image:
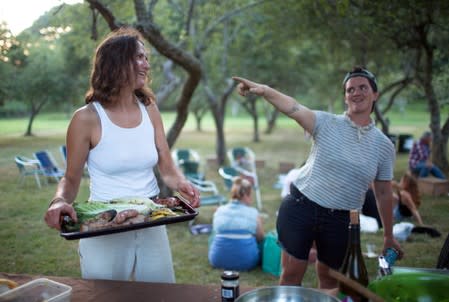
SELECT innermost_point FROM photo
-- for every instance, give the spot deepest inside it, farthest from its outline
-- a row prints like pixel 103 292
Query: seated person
pixel 406 201
pixel 237 231
pixel 420 162
pixel 370 207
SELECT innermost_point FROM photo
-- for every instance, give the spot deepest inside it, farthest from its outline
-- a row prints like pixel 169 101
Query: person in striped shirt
pixel 348 153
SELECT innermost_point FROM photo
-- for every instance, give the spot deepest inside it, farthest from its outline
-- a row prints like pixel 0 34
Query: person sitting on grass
pixel 237 231
pixel 406 201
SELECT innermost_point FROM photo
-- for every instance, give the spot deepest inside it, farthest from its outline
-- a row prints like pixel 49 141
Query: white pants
pixel 140 255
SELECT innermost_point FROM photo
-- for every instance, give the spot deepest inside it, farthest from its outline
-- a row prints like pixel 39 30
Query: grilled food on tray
pixel 121 212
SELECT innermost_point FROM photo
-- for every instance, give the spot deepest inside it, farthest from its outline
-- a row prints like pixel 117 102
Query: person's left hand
pixel 190 192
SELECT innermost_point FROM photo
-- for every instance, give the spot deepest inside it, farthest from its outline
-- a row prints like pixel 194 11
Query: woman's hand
pixel 53 216
pixel 391 242
pixel 246 86
pixel 190 192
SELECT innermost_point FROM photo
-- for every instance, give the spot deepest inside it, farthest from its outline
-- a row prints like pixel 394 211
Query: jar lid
pixel 230 275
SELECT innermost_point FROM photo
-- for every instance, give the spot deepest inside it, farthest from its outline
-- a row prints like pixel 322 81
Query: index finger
pixel 241 80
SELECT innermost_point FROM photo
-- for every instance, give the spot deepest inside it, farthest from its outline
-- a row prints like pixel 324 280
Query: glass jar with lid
pixel 229 286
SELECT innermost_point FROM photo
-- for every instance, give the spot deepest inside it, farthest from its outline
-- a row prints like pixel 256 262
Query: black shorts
pixel 301 221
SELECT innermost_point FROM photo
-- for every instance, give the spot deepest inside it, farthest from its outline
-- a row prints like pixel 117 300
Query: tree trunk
pixel 256 136
pixel 439 145
pixel 198 119
pixel 36 107
pixel 380 119
pixel 33 114
pixel 220 139
pixel 251 108
pixel 271 121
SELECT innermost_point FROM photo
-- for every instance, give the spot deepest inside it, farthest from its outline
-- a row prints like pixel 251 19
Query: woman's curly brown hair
pixel 112 68
pixel 411 186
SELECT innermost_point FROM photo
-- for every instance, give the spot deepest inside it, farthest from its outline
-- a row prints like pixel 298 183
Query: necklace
pixel 361 130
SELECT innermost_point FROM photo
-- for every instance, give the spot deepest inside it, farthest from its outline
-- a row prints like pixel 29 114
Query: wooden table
pixel 127 291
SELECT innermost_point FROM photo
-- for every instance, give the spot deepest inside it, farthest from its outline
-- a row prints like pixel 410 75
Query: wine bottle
pixel 353 264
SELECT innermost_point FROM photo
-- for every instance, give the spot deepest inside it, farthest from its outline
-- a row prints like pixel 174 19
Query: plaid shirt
pixel 420 153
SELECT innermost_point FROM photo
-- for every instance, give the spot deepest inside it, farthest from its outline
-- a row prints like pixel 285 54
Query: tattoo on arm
pixel 296 107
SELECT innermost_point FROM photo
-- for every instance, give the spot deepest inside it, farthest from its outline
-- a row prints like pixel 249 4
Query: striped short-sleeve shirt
pixel 344 159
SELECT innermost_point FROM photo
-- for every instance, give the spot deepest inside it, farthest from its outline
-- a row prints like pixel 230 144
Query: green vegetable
pixel 139 201
pixel 412 286
pixel 88 210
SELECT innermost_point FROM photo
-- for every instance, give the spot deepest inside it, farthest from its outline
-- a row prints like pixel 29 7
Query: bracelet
pixel 55 200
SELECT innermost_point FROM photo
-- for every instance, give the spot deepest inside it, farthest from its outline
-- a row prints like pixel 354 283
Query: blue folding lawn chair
pixel 48 165
pixel 63 151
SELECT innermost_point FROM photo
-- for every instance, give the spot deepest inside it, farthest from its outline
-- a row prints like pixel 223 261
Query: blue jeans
pixel 423 171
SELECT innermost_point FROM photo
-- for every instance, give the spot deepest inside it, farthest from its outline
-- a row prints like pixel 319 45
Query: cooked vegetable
pixel 138 201
pixel 88 210
pixel 161 213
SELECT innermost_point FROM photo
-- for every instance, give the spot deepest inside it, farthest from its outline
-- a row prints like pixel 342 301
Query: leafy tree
pixel 217 26
pixel 8 44
pixel 42 80
pixel 77 47
pixel 404 42
pixel 419 31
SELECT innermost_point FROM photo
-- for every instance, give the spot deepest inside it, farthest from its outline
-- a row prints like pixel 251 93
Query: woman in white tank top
pixel 120 134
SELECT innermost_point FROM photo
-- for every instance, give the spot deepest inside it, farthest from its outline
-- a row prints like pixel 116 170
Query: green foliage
pixel 300 47
pixel 43 78
pixel 13 108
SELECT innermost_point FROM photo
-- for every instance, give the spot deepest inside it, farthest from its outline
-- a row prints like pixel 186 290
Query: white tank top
pixel 121 164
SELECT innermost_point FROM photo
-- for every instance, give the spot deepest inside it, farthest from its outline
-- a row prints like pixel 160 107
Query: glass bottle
pixel 229 286
pixel 353 264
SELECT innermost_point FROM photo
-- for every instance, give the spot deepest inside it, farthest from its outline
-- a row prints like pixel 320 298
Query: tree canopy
pixel 302 48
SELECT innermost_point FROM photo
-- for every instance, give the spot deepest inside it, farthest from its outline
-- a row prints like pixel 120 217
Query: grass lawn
pixel 29 246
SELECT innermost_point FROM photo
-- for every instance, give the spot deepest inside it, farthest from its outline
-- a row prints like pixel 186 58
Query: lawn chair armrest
pixel 204 185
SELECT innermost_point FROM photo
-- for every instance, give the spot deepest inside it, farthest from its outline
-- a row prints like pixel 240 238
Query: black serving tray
pixel 191 214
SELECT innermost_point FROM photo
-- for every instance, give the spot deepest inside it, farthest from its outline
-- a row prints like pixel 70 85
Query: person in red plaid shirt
pixel 420 162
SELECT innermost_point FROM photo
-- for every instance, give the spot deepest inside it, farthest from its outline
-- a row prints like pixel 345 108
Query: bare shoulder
pixel 406 194
pixel 85 114
pixel 152 108
pixel 154 113
pixel 84 122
